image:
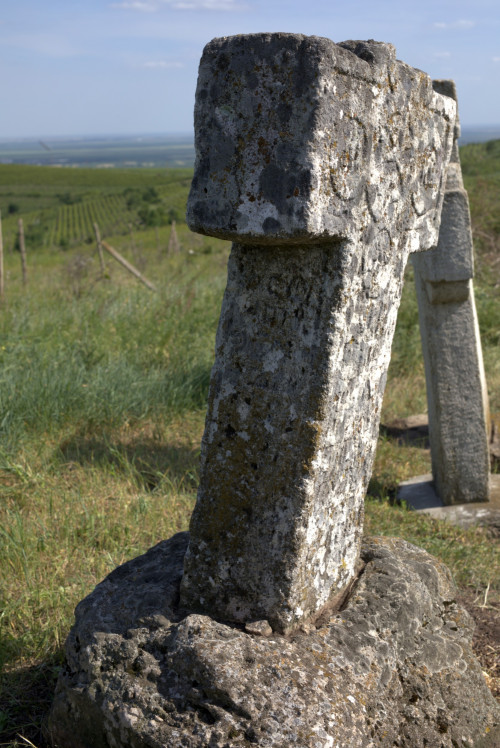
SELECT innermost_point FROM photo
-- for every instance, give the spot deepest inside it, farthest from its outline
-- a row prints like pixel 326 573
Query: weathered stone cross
pixel 457 395
pixel 325 164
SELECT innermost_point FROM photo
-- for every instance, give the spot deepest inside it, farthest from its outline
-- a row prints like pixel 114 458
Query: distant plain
pixel 102 151
pixel 134 151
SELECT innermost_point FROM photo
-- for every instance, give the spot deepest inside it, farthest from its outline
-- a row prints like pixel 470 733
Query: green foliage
pixel 102 400
pixel 153 215
pixel 473 560
pixel 35 233
pixel 150 195
pixel 133 198
pixel 481 167
pixel 406 354
pixel 480 159
pixel 149 206
pixel 68 199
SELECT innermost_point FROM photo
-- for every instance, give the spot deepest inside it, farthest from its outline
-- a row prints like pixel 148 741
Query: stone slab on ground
pixel 394 667
pixel 419 494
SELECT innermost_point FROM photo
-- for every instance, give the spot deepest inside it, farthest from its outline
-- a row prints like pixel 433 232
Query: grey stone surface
pixel 456 388
pixel 393 668
pixel 301 139
pixel 420 494
pixel 325 163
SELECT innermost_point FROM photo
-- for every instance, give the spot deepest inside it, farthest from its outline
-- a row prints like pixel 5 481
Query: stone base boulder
pixel 393 667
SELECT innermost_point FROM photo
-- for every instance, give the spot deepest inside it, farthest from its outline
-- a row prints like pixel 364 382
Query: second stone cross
pixel 325 164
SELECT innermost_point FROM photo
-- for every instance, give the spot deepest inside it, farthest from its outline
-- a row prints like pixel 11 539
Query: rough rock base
pixel 394 667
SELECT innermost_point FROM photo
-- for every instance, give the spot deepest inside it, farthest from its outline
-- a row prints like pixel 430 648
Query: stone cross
pixel 325 164
pixel 456 387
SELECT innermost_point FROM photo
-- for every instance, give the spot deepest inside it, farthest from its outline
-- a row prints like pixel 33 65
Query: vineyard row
pixel 75 223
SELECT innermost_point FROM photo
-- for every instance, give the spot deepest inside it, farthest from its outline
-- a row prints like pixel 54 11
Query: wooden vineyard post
pixel 158 246
pixel 2 290
pixel 22 248
pixel 132 239
pixel 99 248
pixel 136 250
pixel 128 266
pixel 173 242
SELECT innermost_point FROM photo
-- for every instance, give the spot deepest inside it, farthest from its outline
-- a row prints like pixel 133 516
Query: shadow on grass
pixel 26 695
pixel 405 434
pixel 382 490
pixel 145 459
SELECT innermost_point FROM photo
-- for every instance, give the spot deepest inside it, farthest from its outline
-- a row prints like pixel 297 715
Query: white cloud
pixel 136 5
pixel 226 5
pixel 151 6
pixel 496 59
pixel 442 55
pixel 460 24
pixel 162 65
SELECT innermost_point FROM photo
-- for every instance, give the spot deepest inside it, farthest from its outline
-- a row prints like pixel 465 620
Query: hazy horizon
pixel 187 135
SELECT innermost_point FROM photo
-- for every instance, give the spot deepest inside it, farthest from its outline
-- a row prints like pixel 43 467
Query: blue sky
pixel 70 67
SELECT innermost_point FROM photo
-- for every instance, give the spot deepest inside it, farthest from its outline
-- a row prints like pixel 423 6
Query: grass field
pixel 103 387
pixel 60 206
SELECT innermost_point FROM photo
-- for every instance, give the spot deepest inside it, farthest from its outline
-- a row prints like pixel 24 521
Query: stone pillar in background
pixel 456 387
pixel 325 164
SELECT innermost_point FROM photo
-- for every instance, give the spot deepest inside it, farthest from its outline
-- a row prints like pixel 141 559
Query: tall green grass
pixel 103 386
pixel 116 354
